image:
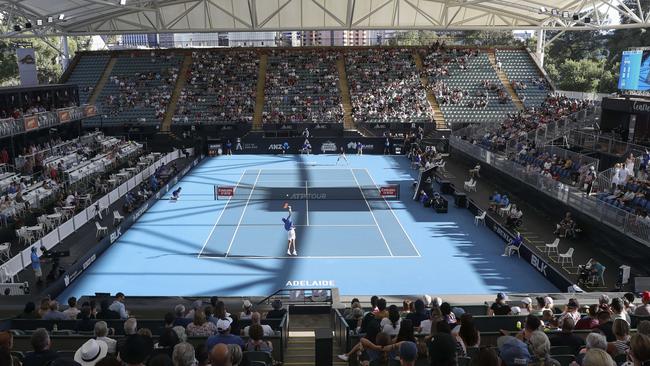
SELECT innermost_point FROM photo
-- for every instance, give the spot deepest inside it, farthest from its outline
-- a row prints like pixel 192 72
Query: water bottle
pixel 518 325
pixel 55 327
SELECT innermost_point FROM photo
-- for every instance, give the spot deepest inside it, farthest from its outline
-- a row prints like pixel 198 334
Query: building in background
pixel 139 40
pixel 253 39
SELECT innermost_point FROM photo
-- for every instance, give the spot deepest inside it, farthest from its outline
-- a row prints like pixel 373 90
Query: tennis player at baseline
pixel 291 234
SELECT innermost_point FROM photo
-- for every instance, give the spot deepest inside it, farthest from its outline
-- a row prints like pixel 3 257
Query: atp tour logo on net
pixel 306 196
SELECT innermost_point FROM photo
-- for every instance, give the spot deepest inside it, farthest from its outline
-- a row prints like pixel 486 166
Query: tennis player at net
pixel 291 233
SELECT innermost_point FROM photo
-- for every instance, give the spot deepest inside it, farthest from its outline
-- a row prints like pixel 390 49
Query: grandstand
pixel 215 188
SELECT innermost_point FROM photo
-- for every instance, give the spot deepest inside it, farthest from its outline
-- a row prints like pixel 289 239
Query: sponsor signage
pixel 328 146
pixel 115 234
pixel 249 146
pixel 90 110
pixel 310 283
pixel 275 147
pixel 31 122
pixel 64 116
pixel 226 191
pixel 388 191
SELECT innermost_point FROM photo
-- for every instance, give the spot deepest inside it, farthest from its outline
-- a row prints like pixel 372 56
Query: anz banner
pixel 27 66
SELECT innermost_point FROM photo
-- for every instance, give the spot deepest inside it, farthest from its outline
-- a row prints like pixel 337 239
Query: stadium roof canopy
pixel 90 17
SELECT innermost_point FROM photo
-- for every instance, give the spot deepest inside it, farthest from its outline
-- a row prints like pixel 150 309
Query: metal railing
pixel 341 330
pixel 615 217
pixel 15 126
pixel 604 144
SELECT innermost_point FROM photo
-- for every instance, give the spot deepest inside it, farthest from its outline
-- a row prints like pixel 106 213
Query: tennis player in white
pixel 342 156
pixel 291 234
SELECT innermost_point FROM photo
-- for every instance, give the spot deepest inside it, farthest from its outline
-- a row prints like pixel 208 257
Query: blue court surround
pixel 198 246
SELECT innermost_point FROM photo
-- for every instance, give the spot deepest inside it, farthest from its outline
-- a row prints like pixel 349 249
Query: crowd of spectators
pixel 302 87
pixel 519 124
pixel 148 90
pixel 385 87
pixel 629 187
pixel 446 334
pixel 220 87
pixel 223 339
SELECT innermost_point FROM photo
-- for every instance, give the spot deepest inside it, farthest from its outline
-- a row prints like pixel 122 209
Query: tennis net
pixel 258 192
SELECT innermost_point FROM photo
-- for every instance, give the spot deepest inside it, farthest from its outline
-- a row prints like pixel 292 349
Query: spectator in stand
pixel 91 352
pixel 181 320
pixel 135 350
pixel 621 345
pixel 247 311
pixel 419 314
pixel 467 335
pixel 597 357
pixel 513 351
pixel 590 321
pixel 500 305
pixel 220 355
pixel 101 334
pixel 594 341
pixel 201 327
pixel 256 341
pixel 526 306
pixel 72 310
pixel 442 346
pixel 605 324
pixel 447 314
pixel 408 353
pixel 223 335
pixel 54 313
pixel 618 310
pixel 567 338
pixel 166 343
pixel 118 306
pixel 42 354
pixel 639 353
pixel 390 325
pixel 643 310
pixel 426 325
pixel 29 312
pixel 278 312
pixel 184 355
pixel 570 311
pixel 256 319
pixel 541 348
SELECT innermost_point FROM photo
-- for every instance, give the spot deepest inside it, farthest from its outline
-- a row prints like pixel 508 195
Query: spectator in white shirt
pixel 72 310
pixel 391 324
pixel 118 306
pixel 571 311
pixel 255 319
pixel 101 334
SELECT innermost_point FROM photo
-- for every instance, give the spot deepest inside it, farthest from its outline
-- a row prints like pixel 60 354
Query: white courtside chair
pixel 505 210
pixel 567 257
pixel 117 218
pixel 101 230
pixel 552 247
pixel 480 218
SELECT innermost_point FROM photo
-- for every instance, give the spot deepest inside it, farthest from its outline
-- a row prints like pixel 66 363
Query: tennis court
pixel 348 235
pixel 332 208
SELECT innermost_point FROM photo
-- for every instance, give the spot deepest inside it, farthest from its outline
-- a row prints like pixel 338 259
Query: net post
pixel 214 192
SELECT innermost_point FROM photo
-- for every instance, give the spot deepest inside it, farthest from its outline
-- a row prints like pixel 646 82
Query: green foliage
pixel 491 38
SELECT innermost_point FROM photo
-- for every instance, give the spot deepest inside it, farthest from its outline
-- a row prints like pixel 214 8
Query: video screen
pixel 635 71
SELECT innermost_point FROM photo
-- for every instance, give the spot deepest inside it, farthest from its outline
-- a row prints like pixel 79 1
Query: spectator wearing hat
pixel 500 305
pixel 590 321
pixel 42 354
pixel 247 310
pixel 256 319
pixel 570 311
pixel 513 352
pixel 566 338
pixel 643 310
pixel 278 312
pixel 91 352
pixel 223 335
pixel 118 306
pixel 526 306
pixel 201 327
pixel 136 350
pixel 101 334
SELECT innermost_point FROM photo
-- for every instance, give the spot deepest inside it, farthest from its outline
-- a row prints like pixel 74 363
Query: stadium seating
pixel 302 86
pixel 87 72
pixel 220 88
pixel 466 71
pixel 519 67
pixel 138 89
pixel 385 87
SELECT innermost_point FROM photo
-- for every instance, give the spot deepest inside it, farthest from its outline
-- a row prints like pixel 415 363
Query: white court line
pixel 317 225
pixel 311 257
pixel 372 213
pixel 243 213
pixel 393 212
pixel 307 202
pixel 219 218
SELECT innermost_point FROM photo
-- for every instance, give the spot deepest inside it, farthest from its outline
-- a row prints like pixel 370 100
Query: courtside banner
pixel 31 122
pixel 90 110
pixel 84 262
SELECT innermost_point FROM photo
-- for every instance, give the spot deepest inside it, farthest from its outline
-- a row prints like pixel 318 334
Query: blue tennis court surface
pixel 347 236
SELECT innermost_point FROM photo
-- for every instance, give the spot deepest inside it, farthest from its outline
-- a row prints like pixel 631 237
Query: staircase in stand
pixel 102 80
pixel 348 123
pixel 301 346
pixel 259 98
pixel 505 81
pixel 438 117
pixel 173 101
